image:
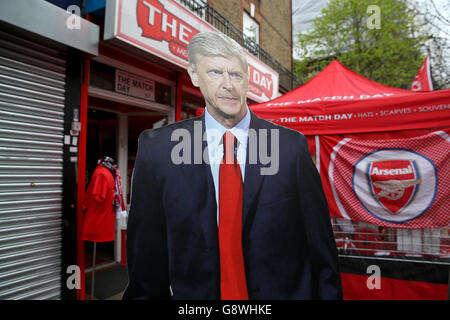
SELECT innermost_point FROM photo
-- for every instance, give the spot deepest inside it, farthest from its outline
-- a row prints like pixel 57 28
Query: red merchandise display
pixel 382 152
pixel 366 241
pixel 99 211
pixel 398 281
pixel 383 156
pixel 355 288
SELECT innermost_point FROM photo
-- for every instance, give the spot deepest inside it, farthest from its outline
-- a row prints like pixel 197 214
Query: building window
pixel 251 28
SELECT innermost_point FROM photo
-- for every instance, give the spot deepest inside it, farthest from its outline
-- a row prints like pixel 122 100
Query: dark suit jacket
pixel 172 237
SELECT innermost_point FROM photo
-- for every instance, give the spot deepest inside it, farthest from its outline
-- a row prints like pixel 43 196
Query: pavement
pixel 109 283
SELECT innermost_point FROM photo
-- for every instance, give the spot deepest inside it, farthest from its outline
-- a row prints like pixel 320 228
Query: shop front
pixel 137 82
pixel 126 95
pixel 39 108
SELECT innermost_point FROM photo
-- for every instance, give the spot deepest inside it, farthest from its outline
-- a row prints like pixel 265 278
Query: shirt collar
pixel 215 131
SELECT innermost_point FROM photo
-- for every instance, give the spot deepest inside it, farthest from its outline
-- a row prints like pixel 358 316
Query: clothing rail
pixel 364 239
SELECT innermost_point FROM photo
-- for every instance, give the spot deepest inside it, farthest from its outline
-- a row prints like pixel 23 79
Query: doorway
pixel 101 141
pixel 114 123
pixel 137 124
pixel 113 130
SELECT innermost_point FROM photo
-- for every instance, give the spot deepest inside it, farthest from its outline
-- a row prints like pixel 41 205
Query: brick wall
pixel 276 30
pixel 231 9
pixel 275 24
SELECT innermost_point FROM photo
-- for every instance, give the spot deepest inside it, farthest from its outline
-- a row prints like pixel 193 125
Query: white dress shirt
pixel 214 133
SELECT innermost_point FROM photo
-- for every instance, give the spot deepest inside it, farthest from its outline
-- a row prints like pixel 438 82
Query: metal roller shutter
pixel 32 96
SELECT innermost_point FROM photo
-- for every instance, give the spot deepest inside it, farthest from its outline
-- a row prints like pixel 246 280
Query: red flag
pixel 395 180
pixel 422 81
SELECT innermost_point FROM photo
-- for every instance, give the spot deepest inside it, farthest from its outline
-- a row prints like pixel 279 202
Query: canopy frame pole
pixel 316 138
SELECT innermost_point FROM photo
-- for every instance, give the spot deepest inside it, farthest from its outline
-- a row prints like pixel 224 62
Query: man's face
pixel 224 85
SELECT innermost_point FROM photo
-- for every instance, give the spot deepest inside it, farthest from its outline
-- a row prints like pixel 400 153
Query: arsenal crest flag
pixel 388 180
pixel 422 81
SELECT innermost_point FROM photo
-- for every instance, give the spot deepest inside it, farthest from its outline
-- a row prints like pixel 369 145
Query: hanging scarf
pixel 118 203
pixel 121 210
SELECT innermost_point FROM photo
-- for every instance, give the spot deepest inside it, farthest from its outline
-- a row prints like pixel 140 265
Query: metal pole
pixel 93 271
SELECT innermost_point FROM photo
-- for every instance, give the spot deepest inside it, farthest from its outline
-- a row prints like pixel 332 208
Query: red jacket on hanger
pixel 99 211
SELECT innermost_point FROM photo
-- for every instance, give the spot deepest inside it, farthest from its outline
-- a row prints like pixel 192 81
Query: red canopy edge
pixel 339 101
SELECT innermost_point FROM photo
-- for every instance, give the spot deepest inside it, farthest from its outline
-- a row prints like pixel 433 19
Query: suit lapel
pixel 209 224
pixel 199 176
pixel 253 178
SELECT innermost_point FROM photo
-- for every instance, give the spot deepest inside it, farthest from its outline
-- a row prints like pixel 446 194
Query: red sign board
pixel 164 28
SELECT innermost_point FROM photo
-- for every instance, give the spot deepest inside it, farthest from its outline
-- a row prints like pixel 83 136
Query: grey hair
pixel 215 44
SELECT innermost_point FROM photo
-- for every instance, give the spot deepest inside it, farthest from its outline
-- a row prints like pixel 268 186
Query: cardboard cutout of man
pixel 213 215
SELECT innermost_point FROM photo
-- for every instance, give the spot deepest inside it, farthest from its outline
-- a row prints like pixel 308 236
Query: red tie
pixel 232 273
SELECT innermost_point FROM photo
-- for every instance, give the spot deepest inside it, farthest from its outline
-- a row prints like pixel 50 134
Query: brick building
pixel 274 31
